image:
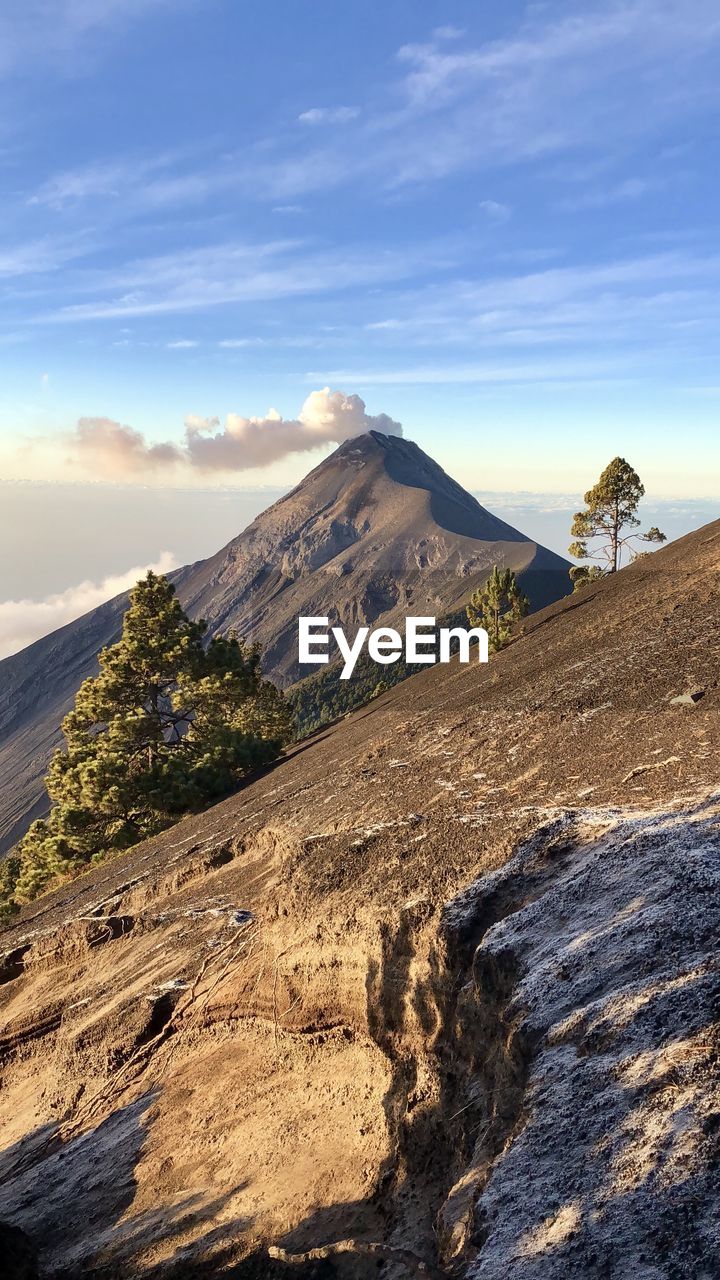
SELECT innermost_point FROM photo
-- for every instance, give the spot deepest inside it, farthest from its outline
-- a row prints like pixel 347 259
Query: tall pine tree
pixel 496 606
pixel 609 520
pixel 167 725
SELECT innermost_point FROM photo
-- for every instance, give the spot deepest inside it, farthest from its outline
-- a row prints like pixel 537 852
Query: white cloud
pixel 496 210
pixel 385 324
pixel 23 621
pixel 327 417
pixel 104 448
pixel 555 372
pixel 574 87
pixel 58 31
pixel 601 75
pixel 108 448
pixel 196 422
pixel 615 193
pixel 448 33
pixel 198 279
pixel 108 180
pixel 573 84
pixel 644 299
pixel 137 183
pixel 329 115
pixel 182 344
pixel 35 257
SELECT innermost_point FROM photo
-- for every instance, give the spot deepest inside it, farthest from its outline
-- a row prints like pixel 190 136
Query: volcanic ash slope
pixel 438 993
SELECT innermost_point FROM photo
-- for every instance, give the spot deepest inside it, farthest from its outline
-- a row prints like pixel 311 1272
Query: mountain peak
pixel 390 482
pixel 375 532
pixel 375 528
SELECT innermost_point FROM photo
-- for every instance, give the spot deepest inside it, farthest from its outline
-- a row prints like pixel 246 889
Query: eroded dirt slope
pixel 437 995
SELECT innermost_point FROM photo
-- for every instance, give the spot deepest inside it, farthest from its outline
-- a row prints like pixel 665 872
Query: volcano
pixel 376 531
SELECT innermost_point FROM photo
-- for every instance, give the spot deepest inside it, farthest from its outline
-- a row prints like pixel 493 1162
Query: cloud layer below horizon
pixel 24 621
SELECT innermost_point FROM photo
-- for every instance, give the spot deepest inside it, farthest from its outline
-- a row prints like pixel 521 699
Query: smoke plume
pixel 108 448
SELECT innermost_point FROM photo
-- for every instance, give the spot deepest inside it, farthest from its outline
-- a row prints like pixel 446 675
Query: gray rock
pixel 687 699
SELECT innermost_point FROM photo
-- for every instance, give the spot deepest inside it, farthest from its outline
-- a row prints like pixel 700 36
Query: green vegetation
pixel 609 518
pixel 171 724
pixel 496 606
pixel 323 697
pixel 168 725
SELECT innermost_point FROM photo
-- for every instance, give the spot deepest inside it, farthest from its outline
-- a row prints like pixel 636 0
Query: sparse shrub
pixel 583 574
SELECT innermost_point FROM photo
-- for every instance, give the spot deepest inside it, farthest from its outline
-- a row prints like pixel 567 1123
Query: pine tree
pixel 167 725
pixel 609 516
pixel 496 606
pixel 237 719
pixel 9 873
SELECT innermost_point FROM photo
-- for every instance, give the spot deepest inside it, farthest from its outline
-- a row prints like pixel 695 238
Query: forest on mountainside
pixel 323 697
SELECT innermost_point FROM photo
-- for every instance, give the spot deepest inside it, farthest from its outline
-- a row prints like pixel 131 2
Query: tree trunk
pixel 615 537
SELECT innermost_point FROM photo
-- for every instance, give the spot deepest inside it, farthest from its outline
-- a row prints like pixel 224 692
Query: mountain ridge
pixel 375 531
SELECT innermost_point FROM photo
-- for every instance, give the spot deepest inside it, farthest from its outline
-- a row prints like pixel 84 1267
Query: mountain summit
pixel 376 531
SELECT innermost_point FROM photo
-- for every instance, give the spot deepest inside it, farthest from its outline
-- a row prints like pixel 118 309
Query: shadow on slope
pixel 56 1191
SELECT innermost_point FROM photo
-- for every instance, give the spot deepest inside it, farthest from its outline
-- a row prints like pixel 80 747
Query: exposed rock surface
pixel 377 531
pixel 437 994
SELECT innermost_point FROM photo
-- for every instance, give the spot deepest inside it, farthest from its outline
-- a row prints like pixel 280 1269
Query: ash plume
pixel 327 417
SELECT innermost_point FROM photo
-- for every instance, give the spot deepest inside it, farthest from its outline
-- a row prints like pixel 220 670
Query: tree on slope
pixel 610 518
pixel 9 872
pixel 167 725
pixel 496 606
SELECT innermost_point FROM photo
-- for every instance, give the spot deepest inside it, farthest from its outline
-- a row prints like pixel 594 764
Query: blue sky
pixel 495 223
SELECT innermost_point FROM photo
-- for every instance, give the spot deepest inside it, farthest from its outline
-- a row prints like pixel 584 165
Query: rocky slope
pixel 435 996
pixel 377 531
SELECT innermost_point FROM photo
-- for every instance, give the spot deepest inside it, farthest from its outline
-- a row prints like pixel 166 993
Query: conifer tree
pixel 9 873
pixel 496 606
pixel 167 725
pixel 609 516
pixel 238 720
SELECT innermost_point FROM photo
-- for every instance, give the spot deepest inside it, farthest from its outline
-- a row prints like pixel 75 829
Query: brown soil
pixel 442 982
